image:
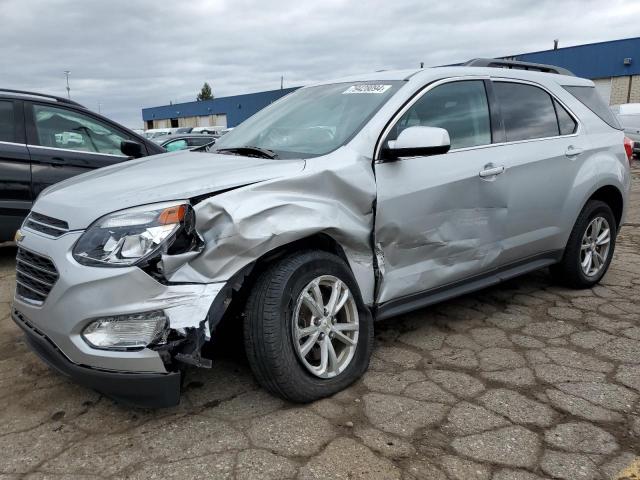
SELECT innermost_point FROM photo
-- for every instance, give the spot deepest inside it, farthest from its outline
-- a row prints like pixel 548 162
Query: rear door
pixel 64 142
pixel 15 171
pixel 542 155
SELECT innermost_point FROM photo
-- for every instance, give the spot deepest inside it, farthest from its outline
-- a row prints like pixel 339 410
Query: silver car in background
pixel 629 117
pixel 342 203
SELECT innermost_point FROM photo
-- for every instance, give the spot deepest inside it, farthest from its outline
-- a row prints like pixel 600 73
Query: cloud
pixel 126 55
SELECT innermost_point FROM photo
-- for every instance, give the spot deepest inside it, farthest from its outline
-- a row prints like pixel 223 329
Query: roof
pixel 434 73
pixel 593 60
pixel 237 107
pixel 21 94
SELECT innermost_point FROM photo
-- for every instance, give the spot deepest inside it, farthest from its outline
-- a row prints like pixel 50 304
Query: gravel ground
pixel 522 381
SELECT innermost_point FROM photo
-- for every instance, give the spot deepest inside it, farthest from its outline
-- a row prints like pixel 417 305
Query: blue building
pixel 224 111
pixel 614 67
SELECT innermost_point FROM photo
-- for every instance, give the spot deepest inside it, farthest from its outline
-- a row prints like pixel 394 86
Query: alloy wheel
pixel 325 326
pixel 594 248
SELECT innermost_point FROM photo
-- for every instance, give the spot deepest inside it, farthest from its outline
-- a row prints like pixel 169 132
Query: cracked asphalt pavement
pixel 522 381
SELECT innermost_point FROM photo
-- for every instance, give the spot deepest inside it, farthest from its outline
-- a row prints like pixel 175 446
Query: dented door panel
pixel 437 221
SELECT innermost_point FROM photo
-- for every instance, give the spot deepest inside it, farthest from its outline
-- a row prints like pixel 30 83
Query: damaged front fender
pixel 334 196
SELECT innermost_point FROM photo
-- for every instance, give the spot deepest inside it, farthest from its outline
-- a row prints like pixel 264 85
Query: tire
pixel 569 270
pixel 269 328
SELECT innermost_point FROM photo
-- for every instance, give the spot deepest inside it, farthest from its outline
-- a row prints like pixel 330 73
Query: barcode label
pixel 366 88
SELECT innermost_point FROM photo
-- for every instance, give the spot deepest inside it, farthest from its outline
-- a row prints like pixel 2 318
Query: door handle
pixel 572 151
pixel 491 170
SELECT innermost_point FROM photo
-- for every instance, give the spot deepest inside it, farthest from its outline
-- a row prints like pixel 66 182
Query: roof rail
pixel 514 64
pixel 34 94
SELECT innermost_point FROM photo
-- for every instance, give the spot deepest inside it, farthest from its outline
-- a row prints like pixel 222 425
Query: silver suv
pixel 342 203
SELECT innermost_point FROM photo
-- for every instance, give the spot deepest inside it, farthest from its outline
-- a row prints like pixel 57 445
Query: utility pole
pixel 66 74
pixel 281 82
pixel 99 107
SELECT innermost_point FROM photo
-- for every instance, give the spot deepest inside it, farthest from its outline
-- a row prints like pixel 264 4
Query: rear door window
pixel 527 111
pixel 7 122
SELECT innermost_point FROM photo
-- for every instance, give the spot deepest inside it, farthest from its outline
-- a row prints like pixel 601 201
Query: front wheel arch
pixel 244 281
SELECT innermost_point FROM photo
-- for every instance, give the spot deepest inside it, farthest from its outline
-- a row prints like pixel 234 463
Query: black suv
pixel 45 139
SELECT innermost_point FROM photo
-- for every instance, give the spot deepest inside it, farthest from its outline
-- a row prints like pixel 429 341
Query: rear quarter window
pixel 591 99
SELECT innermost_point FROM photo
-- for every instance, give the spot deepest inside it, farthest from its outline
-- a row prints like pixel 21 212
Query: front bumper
pixel 83 293
pixel 151 390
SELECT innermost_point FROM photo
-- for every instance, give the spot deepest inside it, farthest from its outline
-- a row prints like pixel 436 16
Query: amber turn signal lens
pixel 172 215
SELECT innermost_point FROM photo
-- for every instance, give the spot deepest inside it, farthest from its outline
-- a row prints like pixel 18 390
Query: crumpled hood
pixel 179 175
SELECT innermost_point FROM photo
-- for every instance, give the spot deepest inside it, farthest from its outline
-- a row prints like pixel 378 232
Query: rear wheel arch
pixel 612 196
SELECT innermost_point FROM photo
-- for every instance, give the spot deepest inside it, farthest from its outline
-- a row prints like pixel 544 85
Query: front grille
pixel 47 225
pixel 35 276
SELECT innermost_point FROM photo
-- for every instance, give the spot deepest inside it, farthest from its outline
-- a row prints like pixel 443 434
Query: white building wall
pixel 603 86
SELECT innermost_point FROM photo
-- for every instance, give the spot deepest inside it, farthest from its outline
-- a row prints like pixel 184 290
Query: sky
pixel 125 55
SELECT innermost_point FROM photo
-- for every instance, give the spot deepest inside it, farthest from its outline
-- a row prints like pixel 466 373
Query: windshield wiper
pixel 249 151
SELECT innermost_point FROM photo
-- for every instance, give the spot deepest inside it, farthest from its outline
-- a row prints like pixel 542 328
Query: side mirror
pixel 418 142
pixel 131 148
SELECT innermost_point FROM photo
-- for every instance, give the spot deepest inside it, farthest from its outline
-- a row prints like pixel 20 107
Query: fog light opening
pixel 127 332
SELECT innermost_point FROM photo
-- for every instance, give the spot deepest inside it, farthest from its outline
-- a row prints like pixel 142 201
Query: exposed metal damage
pixel 244 224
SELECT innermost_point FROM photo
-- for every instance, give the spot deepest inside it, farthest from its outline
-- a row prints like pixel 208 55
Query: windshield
pixel 310 121
pixel 630 121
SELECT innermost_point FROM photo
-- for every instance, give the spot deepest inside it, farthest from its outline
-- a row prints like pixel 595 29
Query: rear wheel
pixel 307 333
pixel 590 247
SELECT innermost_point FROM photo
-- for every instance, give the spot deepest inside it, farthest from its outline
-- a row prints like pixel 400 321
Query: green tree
pixel 205 93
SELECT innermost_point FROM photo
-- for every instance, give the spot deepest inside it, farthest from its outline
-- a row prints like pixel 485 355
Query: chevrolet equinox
pixel 342 203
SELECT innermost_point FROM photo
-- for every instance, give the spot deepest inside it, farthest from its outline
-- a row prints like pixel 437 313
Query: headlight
pixel 126 332
pixel 132 236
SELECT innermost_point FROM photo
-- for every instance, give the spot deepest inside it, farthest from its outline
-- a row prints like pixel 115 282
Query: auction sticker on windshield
pixel 365 88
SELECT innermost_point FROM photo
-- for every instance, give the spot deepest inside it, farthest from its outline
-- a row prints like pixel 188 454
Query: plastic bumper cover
pixel 150 390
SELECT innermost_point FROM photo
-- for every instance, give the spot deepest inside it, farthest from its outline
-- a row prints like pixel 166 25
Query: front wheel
pixel 307 333
pixel 590 247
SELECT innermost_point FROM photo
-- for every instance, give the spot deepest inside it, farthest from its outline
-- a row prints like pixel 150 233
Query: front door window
pixel 61 128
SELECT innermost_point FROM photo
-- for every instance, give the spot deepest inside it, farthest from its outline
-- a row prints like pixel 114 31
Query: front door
pixel 15 171
pixel 441 218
